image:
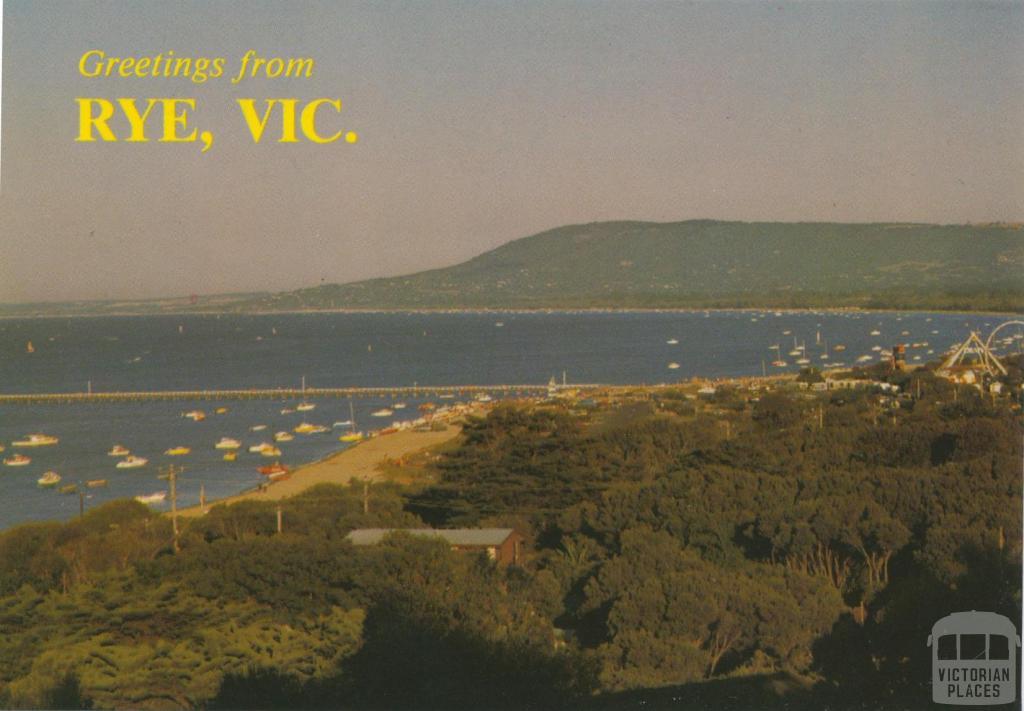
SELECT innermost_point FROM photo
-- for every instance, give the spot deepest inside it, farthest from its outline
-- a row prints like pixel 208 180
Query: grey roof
pixel 454 536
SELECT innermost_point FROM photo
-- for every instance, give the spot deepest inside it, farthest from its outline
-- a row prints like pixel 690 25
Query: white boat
pixel 227 443
pixel 18 460
pixel 118 451
pixel 305 406
pixel 283 436
pixel 195 415
pixel 287 411
pixel 672 342
pixel 673 366
pixel 49 479
pixel 35 440
pixel 865 359
pixel 399 405
pixel 342 423
pixel 803 361
pixel 261 447
pixel 382 413
pixel 132 462
pixel 272 452
pixel 483 397
pixel 155 498
pixel 257 428
pixel 876 349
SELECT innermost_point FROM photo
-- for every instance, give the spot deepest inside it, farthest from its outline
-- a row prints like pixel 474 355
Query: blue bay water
pixel 368 349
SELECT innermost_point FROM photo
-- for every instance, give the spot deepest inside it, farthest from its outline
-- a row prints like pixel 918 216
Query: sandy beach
pixel 357 462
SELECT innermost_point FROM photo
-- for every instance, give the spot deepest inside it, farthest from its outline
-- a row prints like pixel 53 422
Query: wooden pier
pixel 414 391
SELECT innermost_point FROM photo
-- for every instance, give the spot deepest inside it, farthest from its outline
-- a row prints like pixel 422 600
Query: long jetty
pixel 418 391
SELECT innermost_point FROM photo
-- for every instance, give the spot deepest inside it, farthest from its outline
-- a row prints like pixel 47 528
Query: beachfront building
pixel 504 545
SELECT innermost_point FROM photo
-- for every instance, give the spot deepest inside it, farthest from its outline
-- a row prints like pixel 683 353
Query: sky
pixel 480 123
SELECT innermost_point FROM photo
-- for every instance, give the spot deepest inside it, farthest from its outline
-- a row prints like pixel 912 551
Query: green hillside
pixel 706 263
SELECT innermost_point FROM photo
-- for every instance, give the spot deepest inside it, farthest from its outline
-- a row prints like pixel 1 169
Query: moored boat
pixel 195 415
pixel 351 437
pixel 227 443
pixel 385 412
pixel 118 451
pixel 155 498
pixel 177 451
pixel 132 462
pixel 35 440
pixel 49 479
pixel 18 460
pixel 261 447
pixel 96 483
pixel 274 471
pixel 283 436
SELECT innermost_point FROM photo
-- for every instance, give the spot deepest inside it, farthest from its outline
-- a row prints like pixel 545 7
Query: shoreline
pixel 514 311
pixel 358 462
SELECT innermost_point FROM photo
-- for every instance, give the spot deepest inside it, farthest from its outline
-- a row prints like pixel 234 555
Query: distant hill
pixel 695 264
pixel 706 263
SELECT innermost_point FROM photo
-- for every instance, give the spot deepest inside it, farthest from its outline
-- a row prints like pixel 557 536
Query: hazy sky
pixel 483 122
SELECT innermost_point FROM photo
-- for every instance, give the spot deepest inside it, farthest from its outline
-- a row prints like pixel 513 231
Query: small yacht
pixel 258 428
pixel 18 460
pixel 195 415
pixel 154 498
pixel 305 428
pixel 401 405
pixel 227 443
pixel 283 436
pixel 672 341
pixel 351 437
pixel 35 440
pixel 118 451
pixel 230 456
pixel 261 447
pixel 132 462
pixel 177 451
pixel 49 479
pixel 96 483
pixel 287 411
pixel 383 413
pixel 271 452
pixel 673 366
pixel 342 423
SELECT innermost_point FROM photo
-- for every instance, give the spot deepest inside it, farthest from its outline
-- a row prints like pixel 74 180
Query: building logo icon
pixel 974 659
